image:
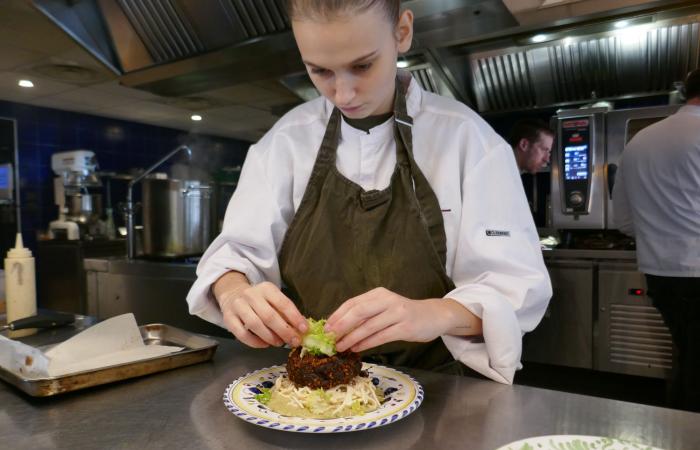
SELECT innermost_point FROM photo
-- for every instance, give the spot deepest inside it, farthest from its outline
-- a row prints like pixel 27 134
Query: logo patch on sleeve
pixel 496 233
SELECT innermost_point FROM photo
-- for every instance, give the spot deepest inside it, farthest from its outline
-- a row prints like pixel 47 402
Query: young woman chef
pixel 395 213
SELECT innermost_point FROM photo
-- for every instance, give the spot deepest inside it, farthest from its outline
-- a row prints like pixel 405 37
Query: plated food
pixel 320 382
pixel 323 391
pixel 402 396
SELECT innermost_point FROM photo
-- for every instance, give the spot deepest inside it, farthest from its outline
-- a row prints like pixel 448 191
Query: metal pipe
pixel 130 241
pixel 15 169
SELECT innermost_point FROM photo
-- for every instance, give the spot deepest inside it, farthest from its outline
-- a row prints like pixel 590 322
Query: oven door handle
pixel 612 170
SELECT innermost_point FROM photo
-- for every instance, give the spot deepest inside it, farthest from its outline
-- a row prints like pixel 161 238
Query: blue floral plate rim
pixel 405 396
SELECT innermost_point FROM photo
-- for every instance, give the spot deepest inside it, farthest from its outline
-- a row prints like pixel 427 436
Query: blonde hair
pixel 330 9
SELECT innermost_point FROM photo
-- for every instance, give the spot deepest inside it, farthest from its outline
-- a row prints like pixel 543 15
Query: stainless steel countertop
pixel 183 408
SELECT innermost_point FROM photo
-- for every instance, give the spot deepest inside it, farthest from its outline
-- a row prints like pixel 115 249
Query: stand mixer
pixel 77 190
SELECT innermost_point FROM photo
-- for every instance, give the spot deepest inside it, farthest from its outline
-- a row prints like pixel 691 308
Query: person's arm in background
pixel 622 216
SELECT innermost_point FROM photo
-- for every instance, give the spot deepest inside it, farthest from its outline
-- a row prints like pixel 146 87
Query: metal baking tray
pixel 197 348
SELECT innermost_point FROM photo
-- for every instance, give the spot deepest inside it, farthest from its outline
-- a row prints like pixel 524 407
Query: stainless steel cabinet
pixel 565 335
pixel 631 337
pixel 153 291
pixel 600 318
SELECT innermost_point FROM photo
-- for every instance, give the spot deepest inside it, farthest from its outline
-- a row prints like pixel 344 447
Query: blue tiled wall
pixel 118 145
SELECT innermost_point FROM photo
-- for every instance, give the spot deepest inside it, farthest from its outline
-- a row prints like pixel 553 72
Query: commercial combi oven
pixel 589 145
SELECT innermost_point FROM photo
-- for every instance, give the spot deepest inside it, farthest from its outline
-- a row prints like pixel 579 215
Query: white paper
pixel 111 342
pixel 22 359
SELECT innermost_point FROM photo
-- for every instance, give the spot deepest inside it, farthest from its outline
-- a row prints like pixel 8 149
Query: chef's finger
pixel 274 321
pixel 253 323
pixel 286 307
pixel 355 315
pixel 367 329
pixel 235 326
pixel 344 308
pixel 391 334
pixel 368 297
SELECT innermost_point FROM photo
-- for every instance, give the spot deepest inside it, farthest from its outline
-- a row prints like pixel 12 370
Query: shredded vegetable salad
pixel 355 398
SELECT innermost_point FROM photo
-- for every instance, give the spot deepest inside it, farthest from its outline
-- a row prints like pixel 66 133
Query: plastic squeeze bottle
pixel 20 285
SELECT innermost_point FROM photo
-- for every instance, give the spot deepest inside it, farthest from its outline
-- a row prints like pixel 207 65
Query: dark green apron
pixel 345 241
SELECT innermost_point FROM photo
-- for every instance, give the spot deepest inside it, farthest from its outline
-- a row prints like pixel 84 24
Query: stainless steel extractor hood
pixel 645 59
pixel 185 47
pixel 477 51
pixel 181 47
pixel 630 52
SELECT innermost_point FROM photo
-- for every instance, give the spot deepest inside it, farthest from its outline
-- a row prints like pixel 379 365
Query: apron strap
pixel 427 200
pixel 327 153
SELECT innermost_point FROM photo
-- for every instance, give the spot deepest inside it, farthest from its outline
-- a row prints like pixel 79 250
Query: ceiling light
pixel 401 64
pixel 622 24
pixel 25 83
pixel 196 117
pixel 539 38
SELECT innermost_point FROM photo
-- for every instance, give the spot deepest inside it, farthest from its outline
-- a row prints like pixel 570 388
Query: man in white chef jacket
pixel 657 200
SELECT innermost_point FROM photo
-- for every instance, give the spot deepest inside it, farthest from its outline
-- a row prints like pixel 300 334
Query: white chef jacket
pixel 657 195
pixel 493 252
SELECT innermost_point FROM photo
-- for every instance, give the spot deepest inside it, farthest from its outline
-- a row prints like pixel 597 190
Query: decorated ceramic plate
pixel 573 442
pixel 402 393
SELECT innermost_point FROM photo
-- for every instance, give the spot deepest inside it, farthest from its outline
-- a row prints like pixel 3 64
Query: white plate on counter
pixel 574 442
pixel 403 396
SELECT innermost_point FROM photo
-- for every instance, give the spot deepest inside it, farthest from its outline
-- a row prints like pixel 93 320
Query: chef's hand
pixel 259 315
pixel 380 316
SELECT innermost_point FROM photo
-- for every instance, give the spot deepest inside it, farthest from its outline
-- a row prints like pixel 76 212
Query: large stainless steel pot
pixel 177 217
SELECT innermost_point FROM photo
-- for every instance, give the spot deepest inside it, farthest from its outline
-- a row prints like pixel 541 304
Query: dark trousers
pixel 678 301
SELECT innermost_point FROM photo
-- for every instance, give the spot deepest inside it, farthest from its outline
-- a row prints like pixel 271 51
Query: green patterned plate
pixel 573 442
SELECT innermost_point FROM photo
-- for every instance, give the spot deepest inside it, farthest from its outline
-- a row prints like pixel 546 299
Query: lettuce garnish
pixel 316 341
pixel 264 395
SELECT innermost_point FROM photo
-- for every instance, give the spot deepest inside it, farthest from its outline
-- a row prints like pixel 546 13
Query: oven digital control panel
pixel 576 163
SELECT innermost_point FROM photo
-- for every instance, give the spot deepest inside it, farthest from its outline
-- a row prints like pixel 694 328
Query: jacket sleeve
pixel 499 270
pixel 251 234
pixel 622 217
